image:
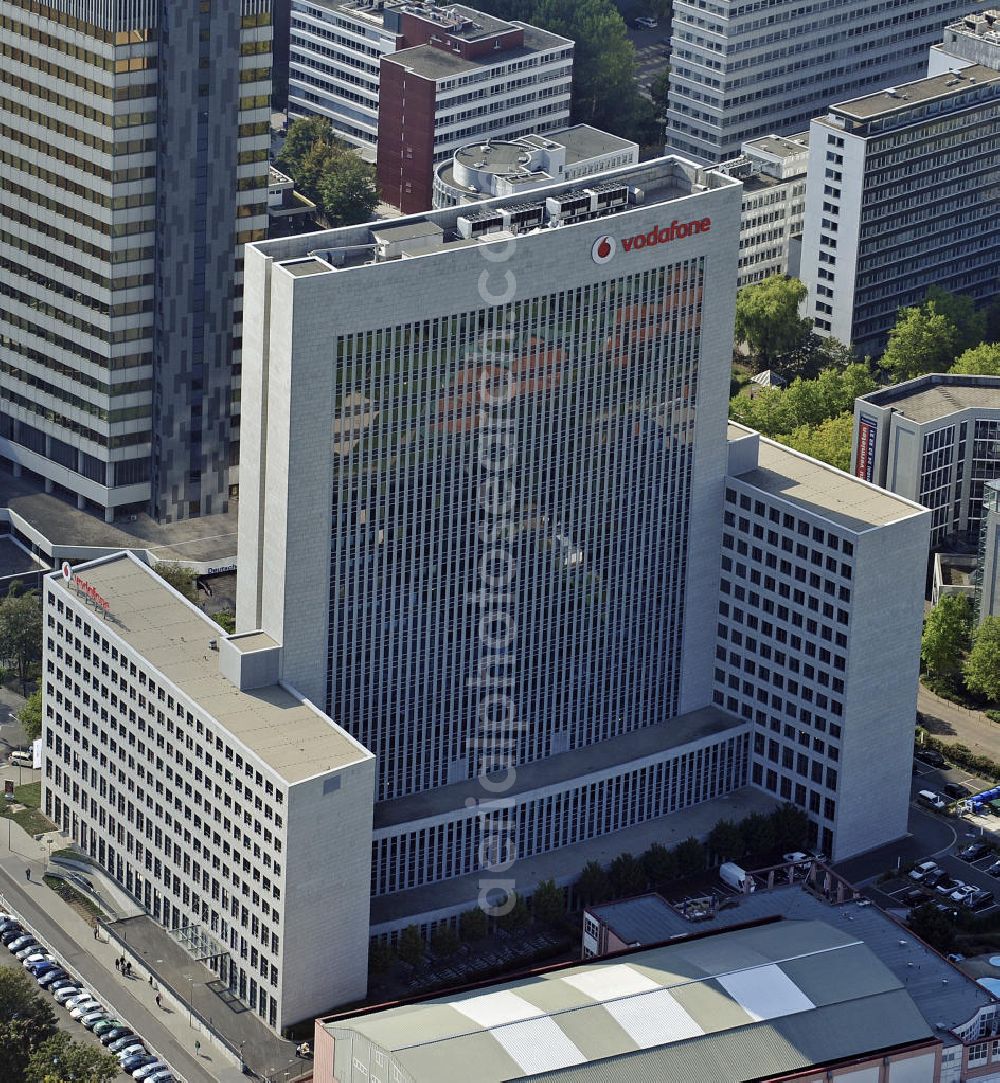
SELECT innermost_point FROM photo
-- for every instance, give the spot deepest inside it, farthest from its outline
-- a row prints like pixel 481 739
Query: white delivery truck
pixel 730 873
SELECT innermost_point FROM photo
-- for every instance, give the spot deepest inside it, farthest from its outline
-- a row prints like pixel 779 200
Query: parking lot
pixel 652 52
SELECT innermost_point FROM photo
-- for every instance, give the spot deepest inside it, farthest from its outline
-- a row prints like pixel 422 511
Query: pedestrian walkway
pixel 958 725
pixel 172 1031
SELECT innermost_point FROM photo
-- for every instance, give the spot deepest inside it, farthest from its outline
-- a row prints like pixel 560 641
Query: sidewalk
pixel 959 725
pixel 168 1032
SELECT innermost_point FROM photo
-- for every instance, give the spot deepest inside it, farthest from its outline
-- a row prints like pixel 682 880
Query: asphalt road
pixel 652 53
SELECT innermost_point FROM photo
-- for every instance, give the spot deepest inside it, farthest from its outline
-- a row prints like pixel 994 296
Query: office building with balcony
pixel 739 71
pixel 901 196
pixel 409 82
pixel 134 151
pixel 934 440
pixel 230 807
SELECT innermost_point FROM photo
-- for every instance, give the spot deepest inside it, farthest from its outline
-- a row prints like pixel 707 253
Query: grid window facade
pixel 164 800
pixel 781 651
pixel 938 479
pixel 600 437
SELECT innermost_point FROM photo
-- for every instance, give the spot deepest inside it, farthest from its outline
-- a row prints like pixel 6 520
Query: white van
pixel 20 759
pixel 932 800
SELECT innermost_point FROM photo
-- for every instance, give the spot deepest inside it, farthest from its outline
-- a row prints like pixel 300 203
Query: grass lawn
pixel 29 817
pixel 80 903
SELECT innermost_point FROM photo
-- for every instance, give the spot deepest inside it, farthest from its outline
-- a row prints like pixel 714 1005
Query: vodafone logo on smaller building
pixel 604 249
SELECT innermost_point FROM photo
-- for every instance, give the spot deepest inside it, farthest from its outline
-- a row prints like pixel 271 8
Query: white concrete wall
pixel 880 699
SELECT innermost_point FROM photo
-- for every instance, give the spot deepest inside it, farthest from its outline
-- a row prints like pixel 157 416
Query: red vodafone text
pixel 676 231
pixel 91 592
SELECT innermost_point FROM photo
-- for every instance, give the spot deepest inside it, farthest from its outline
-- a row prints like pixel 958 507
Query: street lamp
pixel 243 1067
pixel 190 1000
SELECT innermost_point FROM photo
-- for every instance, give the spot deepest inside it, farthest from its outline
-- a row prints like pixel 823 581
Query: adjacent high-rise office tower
pixel 134 142
pixel 739 71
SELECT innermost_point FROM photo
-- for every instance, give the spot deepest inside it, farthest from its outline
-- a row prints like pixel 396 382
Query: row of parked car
pixel 83 1006
pixel 931 877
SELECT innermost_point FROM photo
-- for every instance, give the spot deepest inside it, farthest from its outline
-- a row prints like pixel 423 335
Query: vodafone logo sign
pixel 67 571
pixel 604 249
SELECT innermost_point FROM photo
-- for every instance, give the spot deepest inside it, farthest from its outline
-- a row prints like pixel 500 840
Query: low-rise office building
pixel 935 440
pixel 974 39
pixel 901 196
pixel 232 809
pixel 773 171
pixel 418 80
pixel 505 167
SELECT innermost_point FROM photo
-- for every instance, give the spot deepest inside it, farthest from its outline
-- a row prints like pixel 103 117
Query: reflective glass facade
pixel 510 512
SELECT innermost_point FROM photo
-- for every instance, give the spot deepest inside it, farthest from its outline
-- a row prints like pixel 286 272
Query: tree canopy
pixel 982 666
pixel 182 579
pixel 947 635
pixel 61 1060
pixel 968 320
pixel 829 441
pixel 768 321
pixel 21 632
pixel 924 340
pixel 981 360
pixel 30 716
pixel 327 171
pixel 548 903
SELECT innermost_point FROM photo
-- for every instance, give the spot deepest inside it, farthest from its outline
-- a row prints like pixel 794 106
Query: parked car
pixel 163 1075
pixel 20 758
pixel 960 894
pixel 936 878
pixel 55 979
pixel 148 1069
pixel 23 941
pixel 955 956
pixel 93 1017
pixel 797 857
pixel 923 870
pixel 11 933
pixel 8 922
pixel 131 1050
pixel 912 897
pixel 946 908
pixel 930 756
pixel 646 22
pixel 974 851
pixel 101 1029
pixel 116 1035
pixel 37 957
pixel 948 885
pixel 86 1007
pixel 994 869
pixel 930 799
pixel 85 996
pixel 956 790
pixel 67 992
pixel 137 1060
pixel 25 950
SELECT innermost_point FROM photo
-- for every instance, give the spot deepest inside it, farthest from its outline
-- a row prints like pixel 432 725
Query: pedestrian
pixel 128 970
pixel 27 875
pixel 159 1001
pixel 118 964
pixel 97 935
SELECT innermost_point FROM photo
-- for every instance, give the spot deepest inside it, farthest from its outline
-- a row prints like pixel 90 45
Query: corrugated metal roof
pixel 772 998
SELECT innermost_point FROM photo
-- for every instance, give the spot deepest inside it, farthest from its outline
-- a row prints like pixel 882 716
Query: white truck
pixel 730 873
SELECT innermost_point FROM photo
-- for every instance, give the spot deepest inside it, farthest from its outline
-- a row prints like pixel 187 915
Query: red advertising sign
pixel 864 466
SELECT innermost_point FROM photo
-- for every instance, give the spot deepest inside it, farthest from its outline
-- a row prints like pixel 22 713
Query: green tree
pixel 548 903
pixel 445 942
pixel 758 834
pixel 473 925
pixel 933 927
pixel 768 321
pixel 690 857
pixel 947 635
pixel 517 917
pixel 380 957
pixel 659 90
pixel 21 633
pixel 725 841
pixel 791 827
pixel 61 1060
pixel 981 360
pixel 182 579
pixel 303 134
pixel 226 620
pixel 26 1021
pixel 627 876
pixel 982 667
pixel 411 946
pixel 660 865
pixel 829 441
pixel 969 321
pixel 347 191
pixel 923 340
pixel 30 716
pixel 593 885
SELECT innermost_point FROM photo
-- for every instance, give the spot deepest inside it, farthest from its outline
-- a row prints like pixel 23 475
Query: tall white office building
pixel 901 196
pixel 739 71
pixel 973 39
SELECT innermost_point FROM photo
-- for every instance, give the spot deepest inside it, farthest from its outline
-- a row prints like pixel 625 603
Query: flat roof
pixel 583 141
pixel 779 145
pixel 292 737
pixel 894 100
pixel 928 398
pixel 822 489
pixel 737 1005
pixel 944 994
